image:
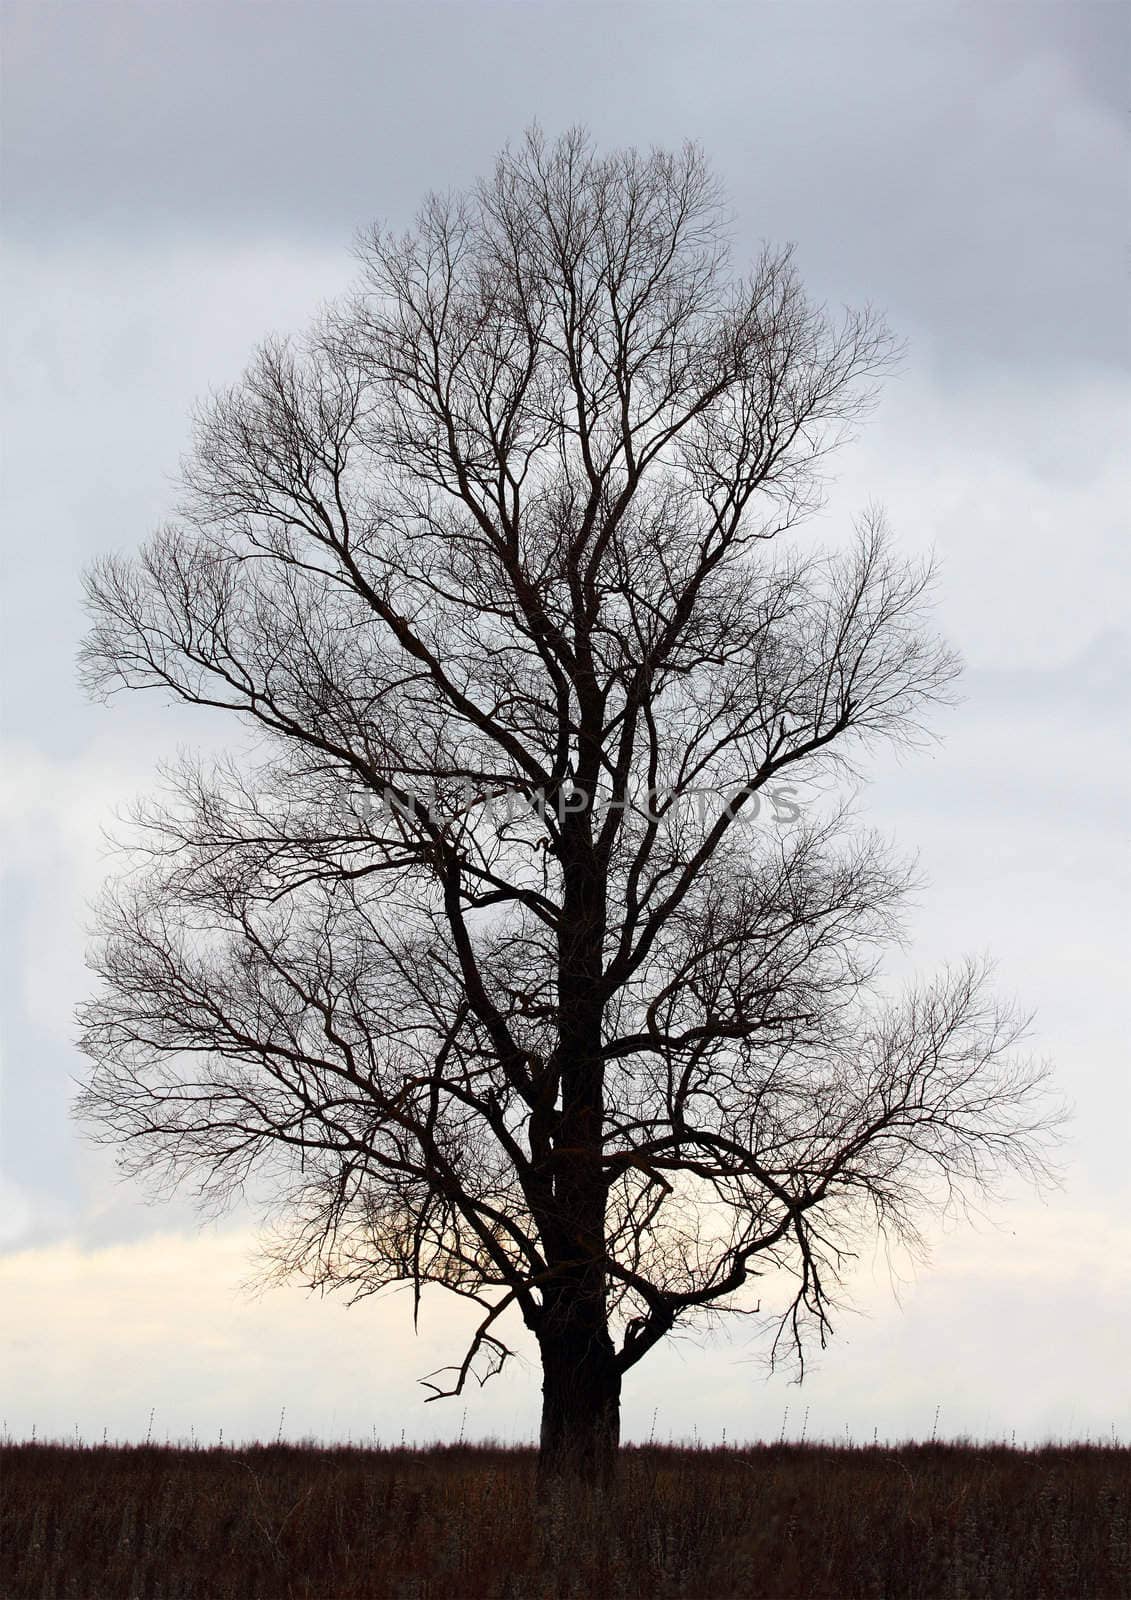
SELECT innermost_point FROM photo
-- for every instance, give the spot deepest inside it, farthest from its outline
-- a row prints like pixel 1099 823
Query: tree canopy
pixel 478 956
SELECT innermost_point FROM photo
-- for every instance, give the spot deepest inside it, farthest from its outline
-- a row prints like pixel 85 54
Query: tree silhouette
pixel 477 955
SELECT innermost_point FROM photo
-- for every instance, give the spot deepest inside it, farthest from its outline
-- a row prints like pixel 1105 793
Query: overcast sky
pixel 180 180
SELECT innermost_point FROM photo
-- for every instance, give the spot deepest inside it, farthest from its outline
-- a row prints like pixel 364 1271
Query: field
pixel 279 1522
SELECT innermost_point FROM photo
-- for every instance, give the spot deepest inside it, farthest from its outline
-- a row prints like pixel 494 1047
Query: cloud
pixel 100 1337
pixel 1012 1328
pixel 961 166
pixel 957 165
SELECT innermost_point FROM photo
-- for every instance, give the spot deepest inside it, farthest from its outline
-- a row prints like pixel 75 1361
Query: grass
pixel 461 1522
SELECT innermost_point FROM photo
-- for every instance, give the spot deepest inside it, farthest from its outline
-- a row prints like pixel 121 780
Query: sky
pixel 178 181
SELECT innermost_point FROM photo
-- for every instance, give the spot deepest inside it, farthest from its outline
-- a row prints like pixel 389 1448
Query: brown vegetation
pixel 279 1522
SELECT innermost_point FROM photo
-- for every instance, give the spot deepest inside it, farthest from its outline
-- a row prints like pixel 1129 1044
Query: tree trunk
pixel 580 1396
pixel 580 1377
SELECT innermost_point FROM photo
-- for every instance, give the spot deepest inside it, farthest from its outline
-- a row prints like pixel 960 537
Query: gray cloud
pixel 181 179
pixel 959 164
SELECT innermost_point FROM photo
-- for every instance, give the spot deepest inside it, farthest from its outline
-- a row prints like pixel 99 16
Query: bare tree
pixel 478 957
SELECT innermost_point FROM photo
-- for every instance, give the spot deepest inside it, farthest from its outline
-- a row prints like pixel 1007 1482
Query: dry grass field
pixel 280 1522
